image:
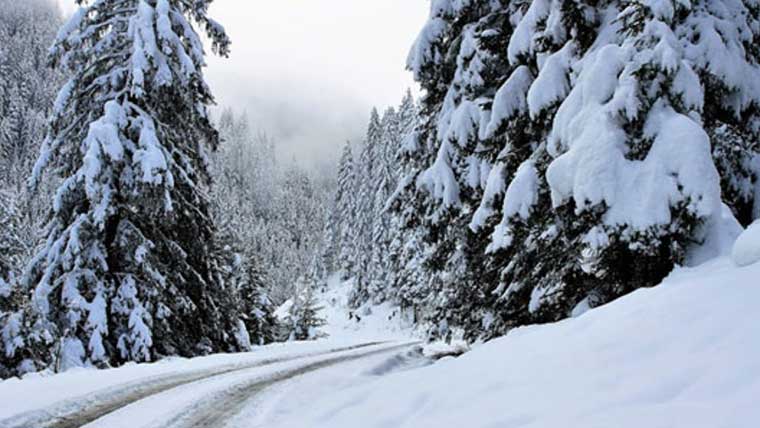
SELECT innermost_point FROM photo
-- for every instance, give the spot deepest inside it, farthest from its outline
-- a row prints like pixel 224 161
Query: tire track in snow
pixel 76 413
pixel 219 408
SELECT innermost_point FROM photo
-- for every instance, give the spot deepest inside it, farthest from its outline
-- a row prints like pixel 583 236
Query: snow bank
pixel 747 247
pixel 685 354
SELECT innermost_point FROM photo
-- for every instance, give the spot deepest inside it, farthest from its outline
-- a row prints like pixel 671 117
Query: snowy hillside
pixel 342 322
pixel 684 354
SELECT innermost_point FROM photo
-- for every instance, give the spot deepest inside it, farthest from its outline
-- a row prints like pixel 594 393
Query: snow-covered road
pixel 178 394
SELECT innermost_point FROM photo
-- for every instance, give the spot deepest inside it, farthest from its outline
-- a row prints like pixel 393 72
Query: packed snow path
pixel 187 399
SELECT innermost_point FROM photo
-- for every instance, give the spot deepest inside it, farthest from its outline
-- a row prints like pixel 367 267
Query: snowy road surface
pixel 184 394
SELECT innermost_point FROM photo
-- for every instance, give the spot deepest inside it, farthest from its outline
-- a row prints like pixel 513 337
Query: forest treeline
pixel 561 154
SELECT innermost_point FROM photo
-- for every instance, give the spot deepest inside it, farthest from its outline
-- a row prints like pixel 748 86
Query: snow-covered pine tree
pixel 329 249
pixel 303 320
pixel 386 177
pixel 127 273
pixel 397 125
pixel 515 226
pixel 246 289
pixel 258 307
pixel 300 205
pixel 631 175
pixel 276 210
pixel 459 59
pixel 346 212
pixel 366 185
pixel 404 247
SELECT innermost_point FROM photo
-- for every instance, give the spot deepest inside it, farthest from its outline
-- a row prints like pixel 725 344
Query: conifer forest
pixel 549 216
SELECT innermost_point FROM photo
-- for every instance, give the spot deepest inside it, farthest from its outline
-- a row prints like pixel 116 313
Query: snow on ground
pixel 170 407
pixel 368 323
pixel 39 391
pixel 273 406
pixel 684 354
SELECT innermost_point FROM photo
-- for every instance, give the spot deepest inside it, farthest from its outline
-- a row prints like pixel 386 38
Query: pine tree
pixel 303 320
pixel 402 247
pixel 366 185
pixel 128 272
pixel 386 179
pixel 336 255
pixel 347 213
pixel 27 86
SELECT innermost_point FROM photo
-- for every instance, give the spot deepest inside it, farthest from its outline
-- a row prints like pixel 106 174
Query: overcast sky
pixel 307 71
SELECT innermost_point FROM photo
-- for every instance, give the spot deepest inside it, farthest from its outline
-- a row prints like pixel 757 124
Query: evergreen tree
pixel 128 272
pixel 347 213
pixel 27 85
pixel 386 179
pixel 336 254
pixel 402 248
pixel 366 186
pixel 303 320
pixel 239 200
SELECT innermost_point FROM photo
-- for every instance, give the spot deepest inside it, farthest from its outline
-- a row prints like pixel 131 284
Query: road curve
pixel 82 411
pixel 215 411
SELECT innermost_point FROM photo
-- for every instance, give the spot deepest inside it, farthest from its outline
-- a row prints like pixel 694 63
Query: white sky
pixel 308 71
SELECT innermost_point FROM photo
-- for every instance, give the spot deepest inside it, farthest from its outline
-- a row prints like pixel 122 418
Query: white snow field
pixel 684 354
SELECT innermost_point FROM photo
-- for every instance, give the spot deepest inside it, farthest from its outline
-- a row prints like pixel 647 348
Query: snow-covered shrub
pixel 303 318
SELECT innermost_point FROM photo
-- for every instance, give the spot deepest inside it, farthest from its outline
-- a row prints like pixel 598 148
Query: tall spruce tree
pixel 346 210
pixel 303 319
pixel 128 272
pixel 398 251
pixel 386 181
pixel 366 186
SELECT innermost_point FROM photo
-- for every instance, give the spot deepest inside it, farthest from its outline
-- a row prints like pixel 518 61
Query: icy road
pixel 217 391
